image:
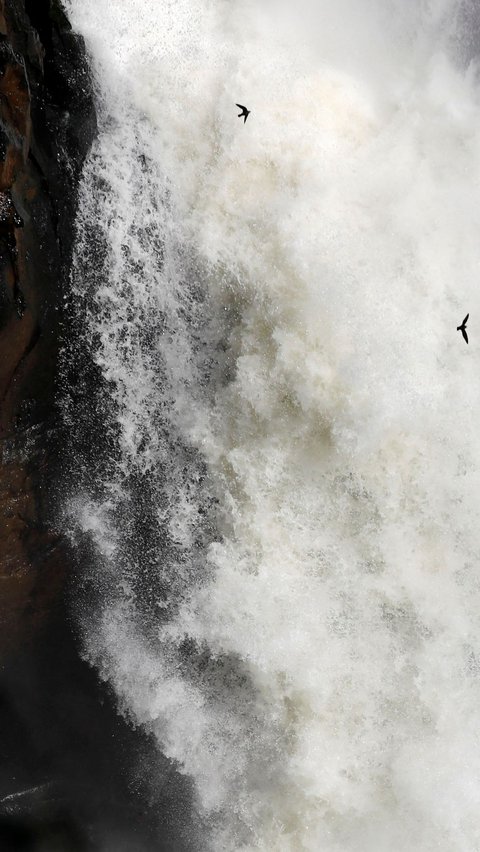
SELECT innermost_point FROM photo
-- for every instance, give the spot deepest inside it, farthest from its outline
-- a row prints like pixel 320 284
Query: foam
pixel 300 278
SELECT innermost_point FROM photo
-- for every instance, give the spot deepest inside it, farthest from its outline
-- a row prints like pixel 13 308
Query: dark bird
pixel 463 328
pixel 244 113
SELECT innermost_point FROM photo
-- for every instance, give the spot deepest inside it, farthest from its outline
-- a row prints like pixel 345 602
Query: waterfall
pixel 282 507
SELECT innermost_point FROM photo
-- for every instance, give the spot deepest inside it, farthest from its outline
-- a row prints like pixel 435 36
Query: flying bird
pixel 463 328
pixel 244 113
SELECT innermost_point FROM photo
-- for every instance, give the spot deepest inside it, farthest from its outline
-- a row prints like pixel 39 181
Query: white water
pixel 276 316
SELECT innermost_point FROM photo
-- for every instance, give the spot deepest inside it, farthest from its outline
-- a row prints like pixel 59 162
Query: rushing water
pixel 284 511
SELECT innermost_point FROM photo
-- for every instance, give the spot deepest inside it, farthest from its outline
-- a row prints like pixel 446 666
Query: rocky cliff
pixel 47 123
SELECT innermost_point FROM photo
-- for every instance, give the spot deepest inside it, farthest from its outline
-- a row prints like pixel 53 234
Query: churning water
pixel 285 514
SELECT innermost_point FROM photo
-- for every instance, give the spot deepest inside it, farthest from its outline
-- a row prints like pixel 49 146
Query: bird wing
pixel 240 106
pixel 465 320
pixel 465 336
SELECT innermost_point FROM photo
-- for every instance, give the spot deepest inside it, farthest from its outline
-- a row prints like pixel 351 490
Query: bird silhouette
pixel 463 328
pixel 244 113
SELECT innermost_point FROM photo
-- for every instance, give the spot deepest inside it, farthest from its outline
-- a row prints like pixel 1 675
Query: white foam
pixel 316 261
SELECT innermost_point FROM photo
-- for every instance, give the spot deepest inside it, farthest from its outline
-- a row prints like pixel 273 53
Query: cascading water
pixel 284 516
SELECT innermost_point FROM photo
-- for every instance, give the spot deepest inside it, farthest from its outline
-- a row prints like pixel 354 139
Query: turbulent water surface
pixel 283 511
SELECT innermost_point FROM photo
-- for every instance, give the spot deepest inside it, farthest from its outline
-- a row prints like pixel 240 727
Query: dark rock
pixel 74 776
pixel 47 124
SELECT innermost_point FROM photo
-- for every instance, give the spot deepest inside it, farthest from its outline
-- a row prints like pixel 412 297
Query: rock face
pixel 47 124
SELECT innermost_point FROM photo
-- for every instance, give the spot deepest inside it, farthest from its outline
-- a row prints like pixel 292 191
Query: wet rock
pixel 47 123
